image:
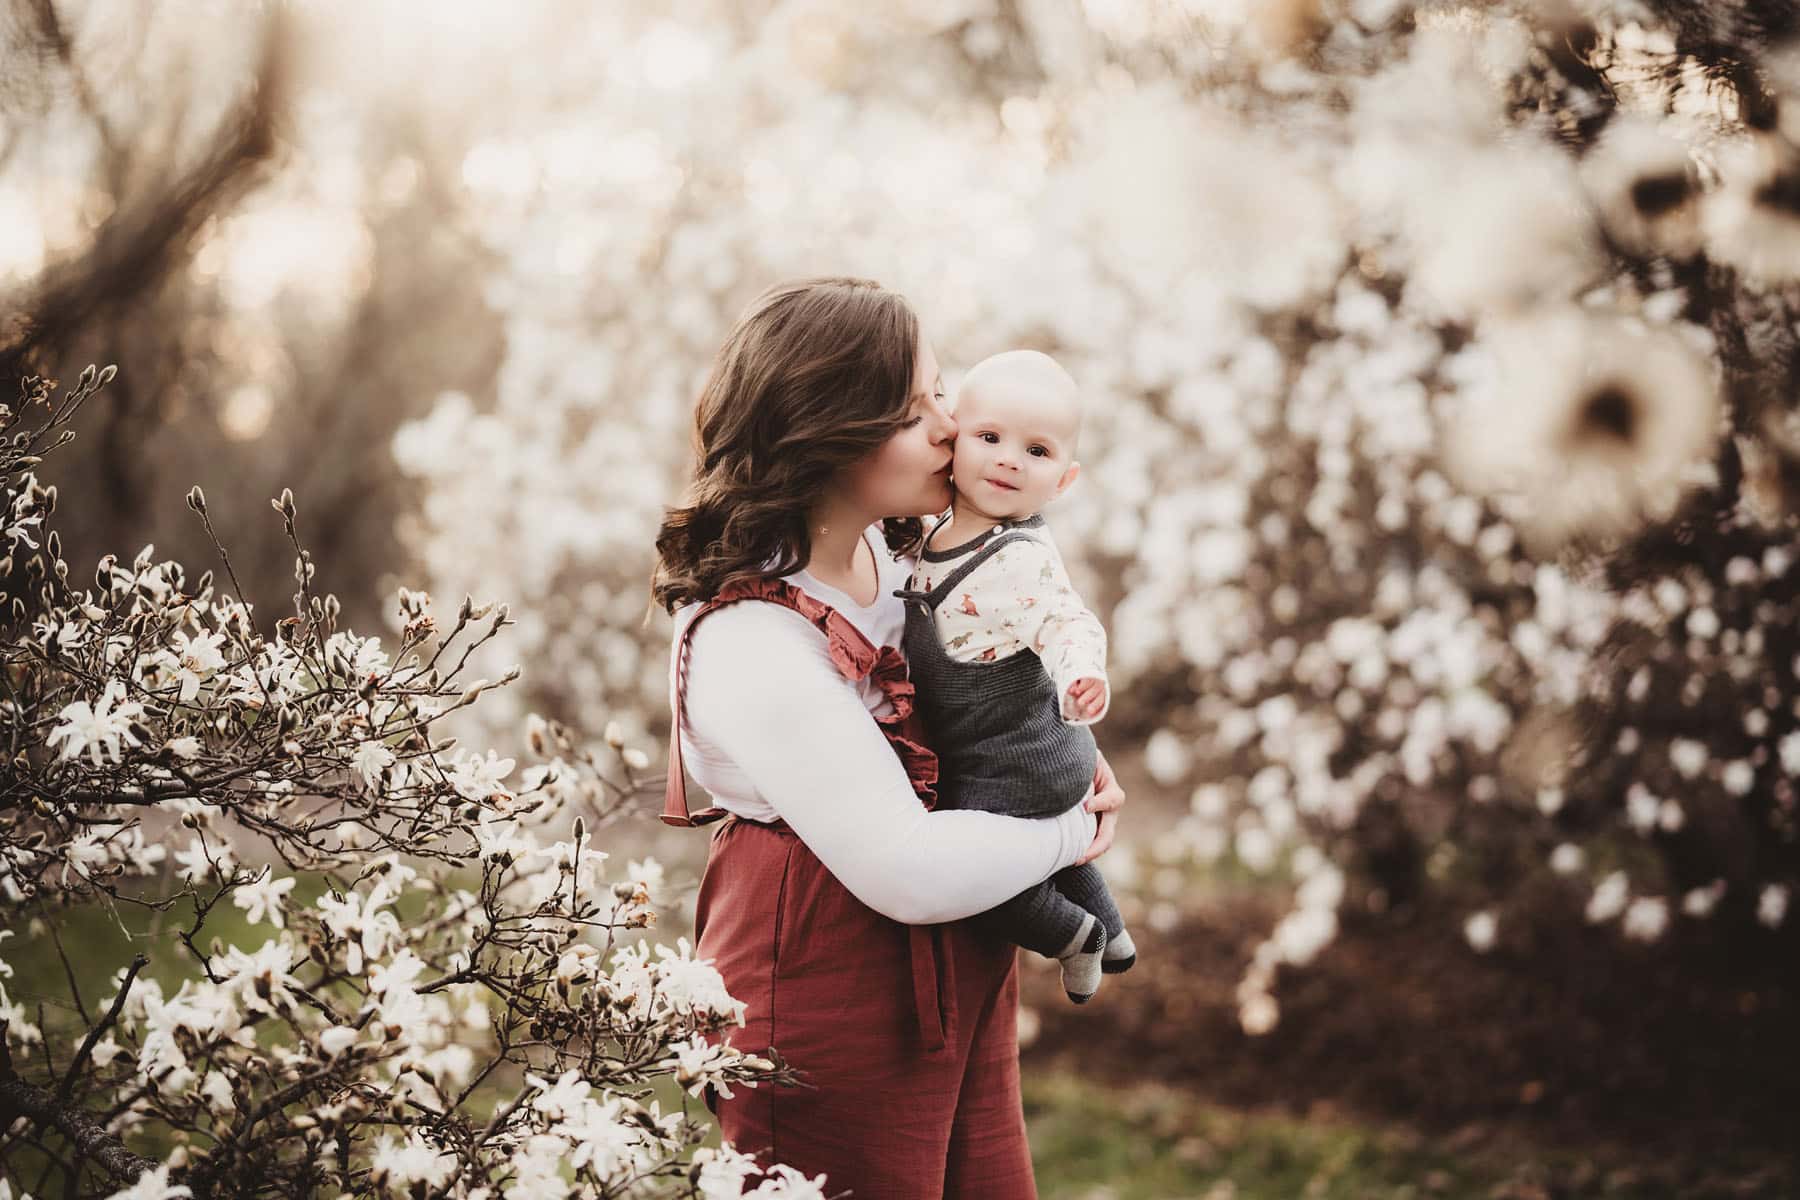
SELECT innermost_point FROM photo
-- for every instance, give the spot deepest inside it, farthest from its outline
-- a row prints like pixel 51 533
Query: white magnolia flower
pixel 1480 930
pixel 399 1165
pixel 153 1185
pixel 1589 426
pixel 699 1062
pixel 537 1168
pixel 1749 222
pixel 59 636
pixel 1255 848
pixel 1609 899
pixel 1688 756
pixel 646 871
pixel 194 865
pixel 362 922
pixel 397 975
pixel 371 759
pixel 361 656
pixel 215 1089
pixel 1567 858
pixel 190 660
pixel 723 1172
pixel 1641 807
pixel 1772 905
pixel 1700 901
pixel 185 747
pixel 1505 230
pixel 1258 1013
pixel 264 898
pixel 1301 934
pixel 1646 918
pixel 336 1040
pixel 598 1140
pixel 1644 183
pixel 104 1051
pixel 693 985
pixel 261 981
pixel 102 728
pixel 785 1183
pixel 502 839
pixel 481 778
pixel 1789 747
pixel 559 1098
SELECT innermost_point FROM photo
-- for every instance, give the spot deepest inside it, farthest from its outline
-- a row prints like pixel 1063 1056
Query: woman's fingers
pixel 1107 794
pixel 1103 838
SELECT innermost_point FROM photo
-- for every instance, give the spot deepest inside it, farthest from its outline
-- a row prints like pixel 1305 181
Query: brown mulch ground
pixel 1563 1037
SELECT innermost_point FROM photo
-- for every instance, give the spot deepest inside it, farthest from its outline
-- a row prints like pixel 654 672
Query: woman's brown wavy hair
pixel 816 374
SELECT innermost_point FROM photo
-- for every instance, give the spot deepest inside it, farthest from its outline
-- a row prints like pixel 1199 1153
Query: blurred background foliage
pixel 1439 487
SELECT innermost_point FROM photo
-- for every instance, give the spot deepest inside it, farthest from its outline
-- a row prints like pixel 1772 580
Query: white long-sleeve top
pixel 774 731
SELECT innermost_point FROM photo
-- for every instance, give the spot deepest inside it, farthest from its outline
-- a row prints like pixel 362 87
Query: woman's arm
pixel 763 690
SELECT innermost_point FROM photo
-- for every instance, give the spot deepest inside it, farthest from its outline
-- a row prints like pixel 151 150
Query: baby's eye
pixel 992 439
pixel 1039 452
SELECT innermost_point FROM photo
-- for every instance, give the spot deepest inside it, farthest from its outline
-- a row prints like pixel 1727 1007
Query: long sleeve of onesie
pixel 762 691
pixel 1023 593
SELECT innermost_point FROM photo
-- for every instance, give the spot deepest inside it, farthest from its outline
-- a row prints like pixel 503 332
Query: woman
pixel 833 899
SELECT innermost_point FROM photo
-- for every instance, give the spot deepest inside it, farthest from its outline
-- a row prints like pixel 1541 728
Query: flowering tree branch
pixel 457 940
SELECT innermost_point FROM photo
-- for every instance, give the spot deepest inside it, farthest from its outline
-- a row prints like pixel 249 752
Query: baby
pixel 1010 664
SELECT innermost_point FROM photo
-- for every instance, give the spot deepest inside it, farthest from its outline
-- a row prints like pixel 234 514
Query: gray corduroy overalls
pixel 1003 747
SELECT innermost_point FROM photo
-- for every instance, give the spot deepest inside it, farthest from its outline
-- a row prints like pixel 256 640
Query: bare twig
pixel 138 962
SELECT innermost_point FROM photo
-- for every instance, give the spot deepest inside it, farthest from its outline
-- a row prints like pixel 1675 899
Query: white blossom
pixel 1646 918
pixel 153 1185
pixel 1772 904
pixel 1479 930
pixel 397 1165
pixel 265 897
pixel 371 760
pixel 102 728
pixel 1609 898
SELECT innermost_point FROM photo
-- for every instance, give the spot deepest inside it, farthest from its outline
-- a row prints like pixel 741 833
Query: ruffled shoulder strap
pixel 855 657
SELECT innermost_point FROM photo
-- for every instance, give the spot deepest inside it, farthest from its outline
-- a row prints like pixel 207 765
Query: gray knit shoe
pixel 1120 954
pixel 1081 962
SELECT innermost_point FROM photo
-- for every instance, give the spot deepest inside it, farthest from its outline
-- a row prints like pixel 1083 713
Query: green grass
pixel 1151 1142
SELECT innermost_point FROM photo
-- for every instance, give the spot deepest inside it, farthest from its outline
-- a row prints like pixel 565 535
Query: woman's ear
pixel 1068 477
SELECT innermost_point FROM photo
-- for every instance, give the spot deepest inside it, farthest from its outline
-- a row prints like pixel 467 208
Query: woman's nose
pixel 946 426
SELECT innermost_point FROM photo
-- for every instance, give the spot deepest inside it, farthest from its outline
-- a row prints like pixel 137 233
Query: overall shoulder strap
pixel 981 554
pixel 852 653
pixel 675 807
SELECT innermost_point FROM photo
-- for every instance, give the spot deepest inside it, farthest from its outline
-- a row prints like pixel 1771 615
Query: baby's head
pixel 1018 417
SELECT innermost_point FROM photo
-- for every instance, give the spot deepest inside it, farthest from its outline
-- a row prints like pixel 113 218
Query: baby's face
pixel 1015 448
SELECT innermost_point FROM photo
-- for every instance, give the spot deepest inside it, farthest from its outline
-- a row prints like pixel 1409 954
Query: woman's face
pixel 909 474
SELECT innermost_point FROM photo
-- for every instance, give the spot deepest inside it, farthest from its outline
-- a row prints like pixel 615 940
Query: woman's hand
pixel 1107 798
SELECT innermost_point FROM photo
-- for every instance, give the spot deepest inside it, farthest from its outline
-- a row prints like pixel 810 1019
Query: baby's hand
pixel 1085 699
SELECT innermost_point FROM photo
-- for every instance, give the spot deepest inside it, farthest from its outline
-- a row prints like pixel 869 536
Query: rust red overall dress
pixel 907 1035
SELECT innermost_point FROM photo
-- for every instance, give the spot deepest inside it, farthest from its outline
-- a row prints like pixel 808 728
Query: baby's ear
pixel 1068 477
